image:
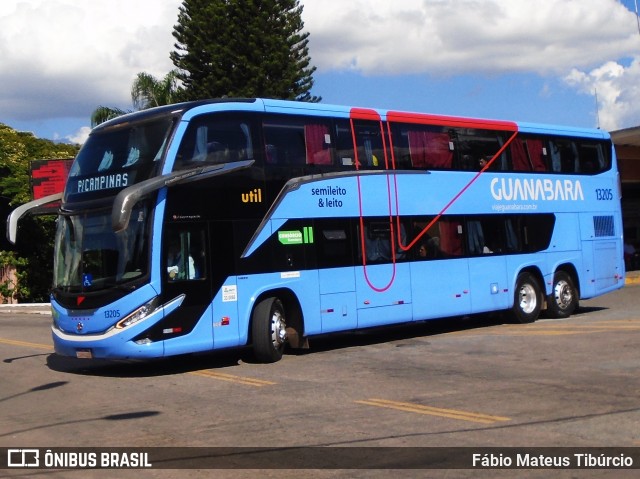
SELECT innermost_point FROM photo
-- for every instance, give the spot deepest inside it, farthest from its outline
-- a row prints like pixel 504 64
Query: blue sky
pixel 539 61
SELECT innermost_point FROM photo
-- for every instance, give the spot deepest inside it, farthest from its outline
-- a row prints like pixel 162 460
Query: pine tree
pixel 243 48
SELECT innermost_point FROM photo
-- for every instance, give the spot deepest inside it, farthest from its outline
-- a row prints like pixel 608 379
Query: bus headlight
pixel 139 314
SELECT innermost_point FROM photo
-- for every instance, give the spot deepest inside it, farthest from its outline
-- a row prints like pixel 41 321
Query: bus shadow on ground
pixel 399 334
pixel 149 367
pixel 588 309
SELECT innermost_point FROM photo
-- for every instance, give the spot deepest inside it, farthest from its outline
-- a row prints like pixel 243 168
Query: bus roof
pixel 193 108
pixel 175 108
pixel 595 133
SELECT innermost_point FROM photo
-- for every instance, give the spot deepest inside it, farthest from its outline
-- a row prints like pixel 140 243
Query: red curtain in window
pixel 450 240
pixel 519 156
pixel 318 152
pixel 430 149
pixel 527 155
pixel 535 152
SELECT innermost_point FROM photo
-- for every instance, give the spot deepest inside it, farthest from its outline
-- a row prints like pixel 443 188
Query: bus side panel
pixel 383 294
pixel 440 288
pixel 338 299
pixel 605 266
pixel 602 253
pixel 587 274
pixel 601 268
pixel 226 325
pixel 566 233
pixel 338 312
pixel 489 287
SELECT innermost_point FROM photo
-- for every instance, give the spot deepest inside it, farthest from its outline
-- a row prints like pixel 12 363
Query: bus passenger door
pixel 185 270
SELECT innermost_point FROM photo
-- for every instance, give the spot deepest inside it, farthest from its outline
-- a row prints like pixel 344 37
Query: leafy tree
pixel 33 255
pixel 9 288
pixel 230 48
pixel 243 48
pixel 147 91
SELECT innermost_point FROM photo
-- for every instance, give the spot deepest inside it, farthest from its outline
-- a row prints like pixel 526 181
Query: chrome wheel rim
pixel 278 330
pixel 528 299
pixel 563 294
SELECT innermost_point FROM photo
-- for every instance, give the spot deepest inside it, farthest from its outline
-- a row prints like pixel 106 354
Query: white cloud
pixel 79 136
pixel 616 89
pixel 581 41
pixel 65 57
pixel 62 58
pixel 461 36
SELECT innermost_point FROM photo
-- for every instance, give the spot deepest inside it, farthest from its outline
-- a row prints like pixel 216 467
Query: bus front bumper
pixel 115 343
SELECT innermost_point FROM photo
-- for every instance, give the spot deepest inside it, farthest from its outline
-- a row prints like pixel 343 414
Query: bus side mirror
pixel 126 199
pixel 15 216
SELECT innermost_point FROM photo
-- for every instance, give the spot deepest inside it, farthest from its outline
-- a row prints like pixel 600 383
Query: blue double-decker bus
pixel 225 223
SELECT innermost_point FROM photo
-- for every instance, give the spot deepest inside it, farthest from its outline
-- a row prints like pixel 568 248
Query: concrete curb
pixel 30 308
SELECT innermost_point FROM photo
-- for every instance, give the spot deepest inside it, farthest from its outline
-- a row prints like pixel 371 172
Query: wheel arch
pixel 293 312
pixel 535 272
pixel 571 270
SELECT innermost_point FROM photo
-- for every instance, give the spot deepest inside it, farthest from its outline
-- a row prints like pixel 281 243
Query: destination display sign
pixel 49 177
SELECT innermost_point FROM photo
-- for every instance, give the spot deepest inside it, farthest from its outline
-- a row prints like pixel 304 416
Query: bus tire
pixel 563 300
pixel 268 328
pixel 527 301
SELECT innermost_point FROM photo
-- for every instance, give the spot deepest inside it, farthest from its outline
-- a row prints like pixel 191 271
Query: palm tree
pixel 104 113
pixel 146 92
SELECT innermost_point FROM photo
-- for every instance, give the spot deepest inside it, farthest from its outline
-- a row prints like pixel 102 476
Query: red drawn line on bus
pixel 448 205
pixel 372 115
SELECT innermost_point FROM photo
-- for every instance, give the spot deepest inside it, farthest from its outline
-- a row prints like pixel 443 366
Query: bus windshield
pixel 91 257
pixel 116 157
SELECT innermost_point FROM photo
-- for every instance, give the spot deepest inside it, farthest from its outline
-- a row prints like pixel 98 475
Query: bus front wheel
pixel 528 299
pixel 563 300
pixel 268 328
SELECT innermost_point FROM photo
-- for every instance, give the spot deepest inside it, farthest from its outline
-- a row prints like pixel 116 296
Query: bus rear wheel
pixel 563 300
pixel 268 328
pixel 528 299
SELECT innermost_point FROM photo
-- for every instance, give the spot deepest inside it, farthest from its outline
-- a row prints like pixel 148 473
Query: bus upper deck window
pixel 215 141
